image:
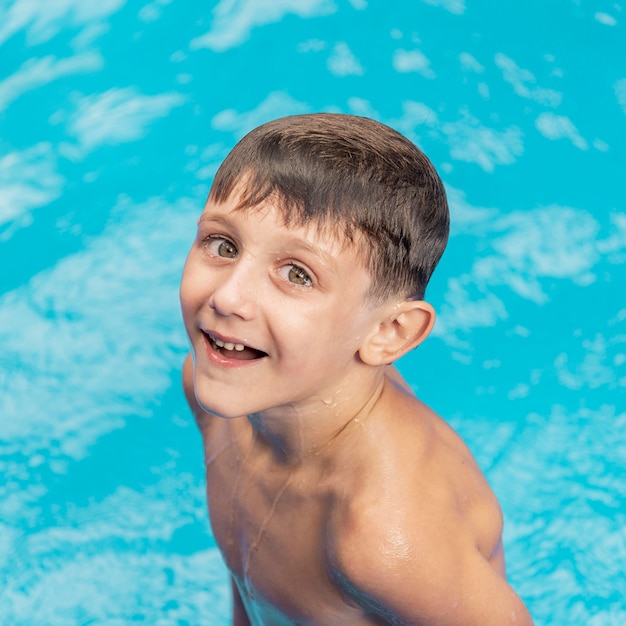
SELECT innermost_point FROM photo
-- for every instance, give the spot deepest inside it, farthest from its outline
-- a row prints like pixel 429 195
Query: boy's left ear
pixel 408 324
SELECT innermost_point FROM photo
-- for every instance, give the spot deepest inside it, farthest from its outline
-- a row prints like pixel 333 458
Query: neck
pixel 311 432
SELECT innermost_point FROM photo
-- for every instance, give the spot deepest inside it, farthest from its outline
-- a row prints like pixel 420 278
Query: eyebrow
pixel 220 220
pixel 289 241
pixel 297 244
pixel 215 217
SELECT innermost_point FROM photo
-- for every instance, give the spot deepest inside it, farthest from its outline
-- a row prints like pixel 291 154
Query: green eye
pixel 219 246
pixel 298 276
pixel 227 249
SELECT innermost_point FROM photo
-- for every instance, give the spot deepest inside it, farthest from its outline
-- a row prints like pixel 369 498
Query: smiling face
pixel 275 314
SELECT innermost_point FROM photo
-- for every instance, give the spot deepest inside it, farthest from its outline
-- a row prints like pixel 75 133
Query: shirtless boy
pixel 335 495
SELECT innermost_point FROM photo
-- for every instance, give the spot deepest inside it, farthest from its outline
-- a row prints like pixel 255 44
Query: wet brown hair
pixel 355 178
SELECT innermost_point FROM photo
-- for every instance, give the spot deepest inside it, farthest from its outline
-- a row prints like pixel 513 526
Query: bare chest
pixel 271 527
pixel 258 515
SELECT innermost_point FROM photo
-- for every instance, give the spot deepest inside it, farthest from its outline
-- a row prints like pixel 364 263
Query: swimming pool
pixel 114 118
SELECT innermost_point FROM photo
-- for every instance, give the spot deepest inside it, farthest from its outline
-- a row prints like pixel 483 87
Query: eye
pixel 221 247
pixel 296 275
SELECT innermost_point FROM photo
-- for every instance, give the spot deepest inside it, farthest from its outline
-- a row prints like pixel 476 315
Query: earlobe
pixel 404 329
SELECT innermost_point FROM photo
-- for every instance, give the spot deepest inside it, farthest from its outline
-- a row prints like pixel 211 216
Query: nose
pixel 235 290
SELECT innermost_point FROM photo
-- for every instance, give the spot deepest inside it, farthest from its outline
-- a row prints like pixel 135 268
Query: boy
pixel 335 495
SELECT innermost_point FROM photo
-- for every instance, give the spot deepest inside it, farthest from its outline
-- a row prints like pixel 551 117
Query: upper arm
pixel 468 592
pixel 443 580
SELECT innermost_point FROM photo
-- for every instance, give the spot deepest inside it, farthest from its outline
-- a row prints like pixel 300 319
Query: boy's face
pixel 275 314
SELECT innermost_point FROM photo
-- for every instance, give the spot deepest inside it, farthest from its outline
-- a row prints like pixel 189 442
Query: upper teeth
pixel 229 345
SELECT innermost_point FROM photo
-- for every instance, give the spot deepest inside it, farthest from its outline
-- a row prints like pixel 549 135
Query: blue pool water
pixel 113 118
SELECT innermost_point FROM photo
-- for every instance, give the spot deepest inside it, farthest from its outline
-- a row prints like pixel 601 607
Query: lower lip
pixel 222 360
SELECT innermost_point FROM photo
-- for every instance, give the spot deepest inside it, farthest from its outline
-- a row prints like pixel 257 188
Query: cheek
pixel 184 293
pixel 191 296
pixel 192 284
pixel 323 337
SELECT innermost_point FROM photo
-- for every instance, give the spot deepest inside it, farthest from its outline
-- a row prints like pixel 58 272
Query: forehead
pixel 287 223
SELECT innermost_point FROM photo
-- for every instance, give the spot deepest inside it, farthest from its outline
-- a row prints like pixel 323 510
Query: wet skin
pixel 336 497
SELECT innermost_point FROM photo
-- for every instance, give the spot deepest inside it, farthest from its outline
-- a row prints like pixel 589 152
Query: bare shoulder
pixel 419 542
pixel 411 570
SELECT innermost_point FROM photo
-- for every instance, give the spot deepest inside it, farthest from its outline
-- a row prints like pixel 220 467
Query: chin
pixel 211 402
pixel 218 410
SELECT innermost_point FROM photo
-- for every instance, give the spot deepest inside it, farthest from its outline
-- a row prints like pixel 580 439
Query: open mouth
pixel 234 350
